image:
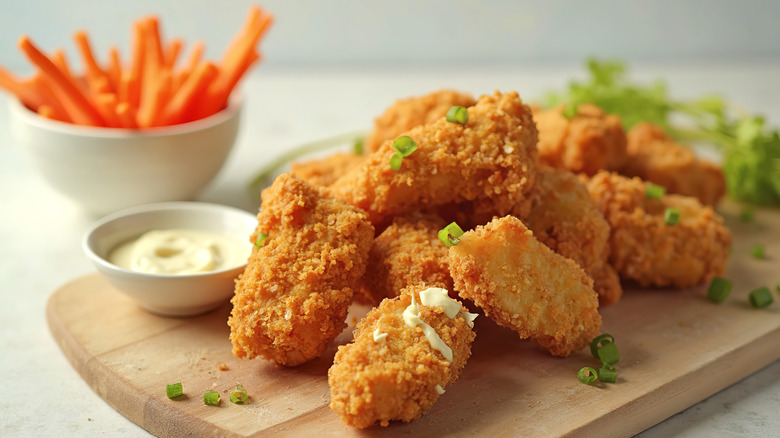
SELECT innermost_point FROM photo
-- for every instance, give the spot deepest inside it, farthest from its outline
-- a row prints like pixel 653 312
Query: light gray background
pixel 361 33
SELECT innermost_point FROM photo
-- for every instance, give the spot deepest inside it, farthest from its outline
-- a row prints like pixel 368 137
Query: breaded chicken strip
pixel 644 248
pixel 408 113
pixel 404 353
pixel 656 157
pixel 565 218
pixel 292 299
pixel 406 253
pixel 524 285
pixel 591 140
pixel 492 157
pixel 323 171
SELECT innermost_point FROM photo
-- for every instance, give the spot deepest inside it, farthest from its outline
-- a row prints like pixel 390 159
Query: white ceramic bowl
pixel 170 295
pixel 107 169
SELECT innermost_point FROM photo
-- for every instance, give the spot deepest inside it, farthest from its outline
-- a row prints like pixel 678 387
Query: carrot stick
pixel 126 116
pixel 172 51
pixel 87 114
pixel 149 112
pixel 154 42
pixel 58 109
pixel 181 105
pixel 135 84
pixel 114 68
pixel 46 111
pixel 150 74
pixel 17 88
pixel 100 85
pixel 94 72
pixel 196 52
pixel 123 93
pixel 106 103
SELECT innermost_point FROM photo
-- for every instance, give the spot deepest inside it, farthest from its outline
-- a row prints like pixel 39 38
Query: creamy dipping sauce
pixel 179 252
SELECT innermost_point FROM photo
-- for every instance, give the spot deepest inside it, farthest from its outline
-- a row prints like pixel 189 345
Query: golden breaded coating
pixel 408 113
pixel 407 253
pixel 292 299
pixel 377 381
pixel 656 157
pixel 524 285
pixel 644 248
pixel 589 141
pixel 323 171
pixel 492 156
pixel 565 218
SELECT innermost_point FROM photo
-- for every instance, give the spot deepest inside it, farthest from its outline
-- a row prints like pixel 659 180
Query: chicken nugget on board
pixel 404 353
pixel 323 171
pixel 292 299
pixel 405 114
pixel 644 248
pixel 492 156
pixel 523 285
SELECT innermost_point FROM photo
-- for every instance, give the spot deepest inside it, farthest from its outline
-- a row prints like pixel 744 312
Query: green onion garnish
pixel 671 216
pixel 261 238
pixel 600 341
pixel 719 289
pixel 404 146
pixel 757 252
pixel 395 162
pixel 609 354
pixel 357 148
pixel 239 396
pixel 761 298
pixel 174 390
pixel 450 235
pixel 458 114
pixel 607 374
pixel 747 215
pixel 211 398
pixel 587 375
pixel 570 111
pixel 654 191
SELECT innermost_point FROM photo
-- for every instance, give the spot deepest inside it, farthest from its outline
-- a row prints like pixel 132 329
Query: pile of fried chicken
pixel 556 214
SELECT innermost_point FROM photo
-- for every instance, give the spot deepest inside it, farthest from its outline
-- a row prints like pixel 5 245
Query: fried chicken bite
pixel 523 285
pixel 565 218
pixel 654 156
pixel 292 299
pixel 407 253
pixel 492 157
pixel 408 113
pixel 323 171
pixel 644 248
pixel 405 352
pixel 591 140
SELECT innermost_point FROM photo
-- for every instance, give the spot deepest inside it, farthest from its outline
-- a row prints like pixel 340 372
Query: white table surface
pixel 41 231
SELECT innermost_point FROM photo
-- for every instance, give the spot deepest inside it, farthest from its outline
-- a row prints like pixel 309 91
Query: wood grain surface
pixel 676 349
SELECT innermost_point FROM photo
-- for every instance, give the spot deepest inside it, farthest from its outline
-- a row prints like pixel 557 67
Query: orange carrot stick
pixel 126 116
pixel 181 105
pixel 106 103
pixel 87 114
pixel 114 68
pixel 45 91
pixel 172 51
pixel 47 112
pixel 135 84
pixel 154 41
pixel 94 72
pixel 123 93
pixel 149 112
pixel 19 89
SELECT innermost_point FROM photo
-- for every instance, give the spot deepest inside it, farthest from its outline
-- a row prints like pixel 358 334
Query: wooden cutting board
pixel 676 348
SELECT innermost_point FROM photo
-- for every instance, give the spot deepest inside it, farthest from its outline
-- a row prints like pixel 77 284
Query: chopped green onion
pixel 600 341
pixel 357 148
pixel 747 215
pixel 211 398
pixel 570 111
pixel 239 396
pixel 450 235
pixel 778 288
pixel 174 390
pixel 719 289
pixel 458 114
pixel 609 354
pixel 261 238
pixel 654 191
pixel 587 375
pixel 757 252
pixel 671 216
pixel 404 146
pixel 761 298
pixel 607 374
pixel 395 162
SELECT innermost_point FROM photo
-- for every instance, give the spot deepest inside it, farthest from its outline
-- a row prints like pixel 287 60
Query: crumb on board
pixel 223 366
